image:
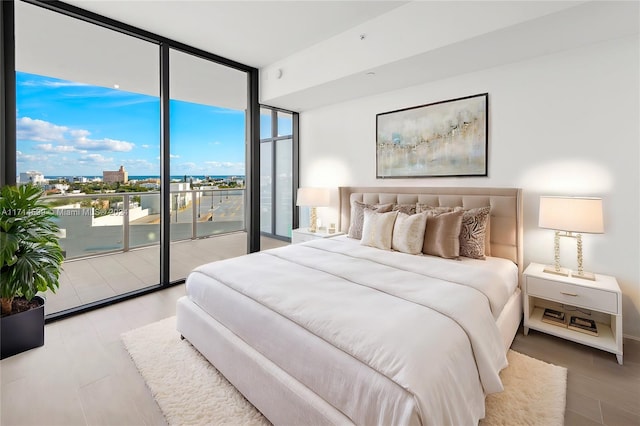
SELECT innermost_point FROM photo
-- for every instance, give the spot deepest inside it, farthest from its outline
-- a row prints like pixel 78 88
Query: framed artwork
pixel 447 138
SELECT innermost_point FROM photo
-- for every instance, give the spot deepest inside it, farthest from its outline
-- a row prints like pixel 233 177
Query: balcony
pixel 112 246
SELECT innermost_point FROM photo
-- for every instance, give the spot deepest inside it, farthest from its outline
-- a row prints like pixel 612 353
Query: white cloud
pixel 56 148
pixel 94 158
pixel 25 158
pixel 39 130
pixel 79 133
pixel 71 139
pixel 174 156
pixel 105 144
pixel 146 146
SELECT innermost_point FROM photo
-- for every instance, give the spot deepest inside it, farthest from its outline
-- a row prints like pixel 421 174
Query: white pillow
pixel 408 232
pixel 357 216
pixel 377 229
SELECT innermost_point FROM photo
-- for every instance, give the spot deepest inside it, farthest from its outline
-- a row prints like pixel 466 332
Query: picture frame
pixel 441 139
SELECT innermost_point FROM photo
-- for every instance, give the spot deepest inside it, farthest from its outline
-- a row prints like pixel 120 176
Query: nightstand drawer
pixel 570 294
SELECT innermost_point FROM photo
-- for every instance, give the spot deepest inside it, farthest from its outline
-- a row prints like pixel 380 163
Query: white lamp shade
pixel 571 214
pixel 313 197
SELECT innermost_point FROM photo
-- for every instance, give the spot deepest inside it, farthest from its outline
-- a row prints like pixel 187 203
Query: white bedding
pixel 367 330
pixel 497 276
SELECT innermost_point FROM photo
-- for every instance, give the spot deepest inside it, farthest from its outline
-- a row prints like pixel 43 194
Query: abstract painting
pixel 447 138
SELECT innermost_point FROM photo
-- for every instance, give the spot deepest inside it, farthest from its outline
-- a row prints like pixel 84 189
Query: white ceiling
pixel 255 33
pixel 309 52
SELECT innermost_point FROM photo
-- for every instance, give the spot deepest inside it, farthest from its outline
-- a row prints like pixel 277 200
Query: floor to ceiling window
pixel 278 160
pixel 87 131
pixel 92 102
pixel 208 139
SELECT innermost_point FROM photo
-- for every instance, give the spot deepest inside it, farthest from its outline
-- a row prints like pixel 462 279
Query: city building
pixel 118 176
pixel 34 177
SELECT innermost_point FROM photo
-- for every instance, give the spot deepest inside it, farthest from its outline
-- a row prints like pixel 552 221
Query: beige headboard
pixel 506 209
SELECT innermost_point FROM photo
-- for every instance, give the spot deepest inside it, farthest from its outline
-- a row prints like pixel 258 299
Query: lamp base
pixel 584 275
pixel 313 220
pixel 550 269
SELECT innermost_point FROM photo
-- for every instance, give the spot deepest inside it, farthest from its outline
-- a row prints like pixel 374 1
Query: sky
pixel 66 128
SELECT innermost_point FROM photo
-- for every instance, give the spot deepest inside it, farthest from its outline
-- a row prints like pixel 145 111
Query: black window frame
pixel 8 147
pixel 273 138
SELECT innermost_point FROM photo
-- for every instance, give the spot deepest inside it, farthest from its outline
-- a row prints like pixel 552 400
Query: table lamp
pixel 313 197
pixel 566 216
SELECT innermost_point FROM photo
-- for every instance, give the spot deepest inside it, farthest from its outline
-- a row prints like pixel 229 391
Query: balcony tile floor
pixel 96 278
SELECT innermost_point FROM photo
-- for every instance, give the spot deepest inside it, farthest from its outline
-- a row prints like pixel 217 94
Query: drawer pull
pixel 568 294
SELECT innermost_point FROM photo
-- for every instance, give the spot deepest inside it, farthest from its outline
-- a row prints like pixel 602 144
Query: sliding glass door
pixel 88 114
pixel 141 145
pixel 208 124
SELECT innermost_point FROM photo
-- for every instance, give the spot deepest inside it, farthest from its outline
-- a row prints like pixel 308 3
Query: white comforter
pixel 422 330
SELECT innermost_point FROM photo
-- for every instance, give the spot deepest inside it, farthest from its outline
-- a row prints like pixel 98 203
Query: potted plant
pixel 30 262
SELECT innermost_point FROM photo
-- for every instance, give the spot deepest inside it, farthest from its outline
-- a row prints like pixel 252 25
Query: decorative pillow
pixel 442 235
pixel 487 237
pixel 408 232
pixel 405 208
pixel 357 216
pixel 431 209
pixel 377 229
pixel 473 232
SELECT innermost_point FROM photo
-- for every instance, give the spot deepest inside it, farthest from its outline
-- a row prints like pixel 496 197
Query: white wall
pixel 562 124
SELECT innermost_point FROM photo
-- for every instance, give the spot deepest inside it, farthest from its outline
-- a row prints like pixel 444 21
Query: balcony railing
pixel 93 224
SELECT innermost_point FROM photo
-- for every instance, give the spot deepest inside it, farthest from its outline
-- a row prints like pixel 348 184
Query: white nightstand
pixel 301 235
pixel 601 298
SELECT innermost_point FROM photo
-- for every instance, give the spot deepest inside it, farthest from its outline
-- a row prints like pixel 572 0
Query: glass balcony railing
pixel 92 224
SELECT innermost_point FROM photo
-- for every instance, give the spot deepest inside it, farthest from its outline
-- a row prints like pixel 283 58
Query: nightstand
pixel 599 300
pixel 301 235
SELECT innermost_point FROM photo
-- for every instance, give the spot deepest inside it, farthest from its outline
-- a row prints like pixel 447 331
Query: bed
pixel 332 331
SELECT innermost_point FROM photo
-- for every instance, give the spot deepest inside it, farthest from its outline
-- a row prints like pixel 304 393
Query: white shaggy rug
pixel 190 391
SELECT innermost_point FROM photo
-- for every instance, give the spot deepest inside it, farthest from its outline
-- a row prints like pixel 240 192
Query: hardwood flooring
pixel 599 390
pixel 83 375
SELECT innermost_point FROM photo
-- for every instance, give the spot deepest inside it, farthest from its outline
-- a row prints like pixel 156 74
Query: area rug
pixel 190 391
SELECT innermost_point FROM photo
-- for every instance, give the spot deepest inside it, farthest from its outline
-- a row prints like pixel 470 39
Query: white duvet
pixel 385 337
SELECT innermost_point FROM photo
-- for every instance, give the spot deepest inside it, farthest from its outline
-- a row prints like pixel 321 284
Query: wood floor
pixel 599 391
pixel 84 376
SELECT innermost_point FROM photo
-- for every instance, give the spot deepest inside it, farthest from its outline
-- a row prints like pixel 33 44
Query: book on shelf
pixel 551 316
pixel 583 325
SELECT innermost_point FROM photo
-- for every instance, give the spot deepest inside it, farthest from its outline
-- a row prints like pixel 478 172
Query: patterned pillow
pixel 377 229
pixel 408 232
pixel 357 216
pixel 405 208
pixel 442 236
pixel 474 231
pixel 432 209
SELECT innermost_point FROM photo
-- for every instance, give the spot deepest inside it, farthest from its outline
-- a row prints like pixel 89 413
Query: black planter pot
pixel 22 331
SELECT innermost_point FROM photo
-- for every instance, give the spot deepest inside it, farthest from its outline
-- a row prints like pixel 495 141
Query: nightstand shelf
pixel 301 235
pixel 605 339
pixel 602 299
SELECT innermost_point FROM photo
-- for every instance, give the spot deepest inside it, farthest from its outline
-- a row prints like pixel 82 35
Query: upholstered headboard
pixel 506 209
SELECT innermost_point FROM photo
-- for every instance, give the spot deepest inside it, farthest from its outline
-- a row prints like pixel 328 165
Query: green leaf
pixel 30 254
